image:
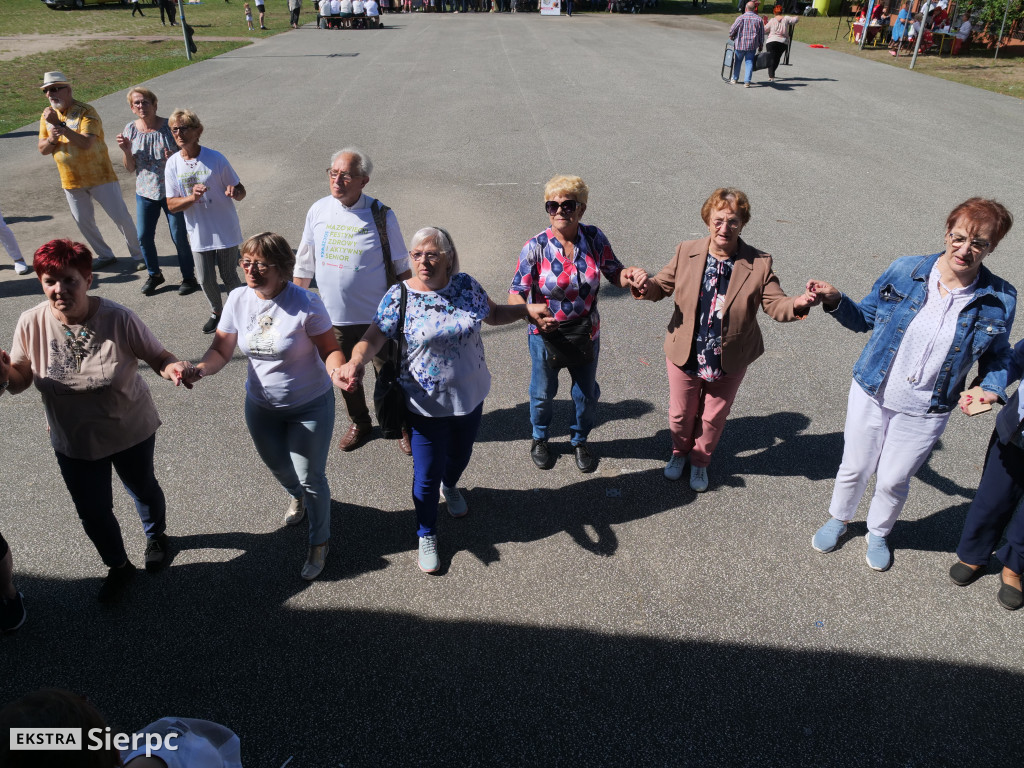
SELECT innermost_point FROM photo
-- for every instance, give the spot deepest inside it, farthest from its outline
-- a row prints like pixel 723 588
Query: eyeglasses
pixel 142 103
pixel 567 206
pixel 430 257
pixel 53 89
pixel 977 246
pixel 345 177
pixel 255 266
pixel 729 224
pixel 179 129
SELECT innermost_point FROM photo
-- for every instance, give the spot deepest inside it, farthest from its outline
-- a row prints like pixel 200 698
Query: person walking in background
pixel 748 33
pixel 778 30
pixel 71 131
pixel 202 183
pixel 146 143
pixel 261 9
pixel 295 8
pixel 169 7
pixel 11 245
pixel 137 9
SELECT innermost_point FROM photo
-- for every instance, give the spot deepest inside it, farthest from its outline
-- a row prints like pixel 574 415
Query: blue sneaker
pixel 429 561
pixel 826 537
pixel 457 506
pixel 878 556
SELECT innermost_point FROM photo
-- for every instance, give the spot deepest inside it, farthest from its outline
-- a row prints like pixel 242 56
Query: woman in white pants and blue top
pixel 287 335
pixel 931 318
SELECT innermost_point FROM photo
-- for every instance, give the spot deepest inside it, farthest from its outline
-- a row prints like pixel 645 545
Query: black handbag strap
pixel 380 219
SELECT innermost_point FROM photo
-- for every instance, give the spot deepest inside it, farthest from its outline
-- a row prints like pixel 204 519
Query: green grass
pixel 96 69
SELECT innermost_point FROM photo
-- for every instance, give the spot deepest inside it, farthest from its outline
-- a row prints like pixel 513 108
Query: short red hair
pixel 57 255
pixel 980 211
pixel 726 197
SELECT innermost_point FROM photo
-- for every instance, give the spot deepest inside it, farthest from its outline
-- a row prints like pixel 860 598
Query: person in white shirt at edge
pixel 372 11
pixel 963 34
pixel 202 183
pixel 341 246
pixel 358 14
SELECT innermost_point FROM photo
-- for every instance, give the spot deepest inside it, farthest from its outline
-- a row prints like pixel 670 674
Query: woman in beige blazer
pixel 718 284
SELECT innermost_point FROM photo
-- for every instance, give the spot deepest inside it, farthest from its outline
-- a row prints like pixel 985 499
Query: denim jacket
pixel 1010 419
pixel 982 334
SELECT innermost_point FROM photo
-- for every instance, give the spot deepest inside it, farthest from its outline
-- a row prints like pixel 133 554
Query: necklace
pixel 78 343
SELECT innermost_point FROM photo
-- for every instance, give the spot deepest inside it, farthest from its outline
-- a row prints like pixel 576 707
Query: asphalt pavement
pixel 606 619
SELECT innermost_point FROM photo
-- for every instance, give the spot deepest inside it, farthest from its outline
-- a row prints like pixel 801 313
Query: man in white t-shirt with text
pixel 343 245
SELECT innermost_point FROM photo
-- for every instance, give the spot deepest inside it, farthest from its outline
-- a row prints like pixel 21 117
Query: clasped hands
pixel 184 373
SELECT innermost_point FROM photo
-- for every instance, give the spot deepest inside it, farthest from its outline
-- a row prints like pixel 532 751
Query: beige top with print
pixel 103 407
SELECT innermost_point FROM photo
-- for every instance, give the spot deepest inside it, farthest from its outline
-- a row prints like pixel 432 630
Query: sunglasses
pixel 568 206
pixel 54 89
pixel 254 266
pixel 179 129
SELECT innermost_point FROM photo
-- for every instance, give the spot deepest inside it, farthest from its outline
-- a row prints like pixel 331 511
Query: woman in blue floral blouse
pixel 718 284
pixel 442 371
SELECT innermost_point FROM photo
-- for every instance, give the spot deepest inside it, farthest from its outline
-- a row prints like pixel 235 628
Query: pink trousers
pixel 697 410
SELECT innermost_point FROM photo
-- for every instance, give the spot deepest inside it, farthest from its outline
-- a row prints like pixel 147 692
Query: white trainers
pixel 428 559
pixel 457 506
pixel 699 478
pixel 674 468
pixel 316 561
pixel 21 268
pixel 296 511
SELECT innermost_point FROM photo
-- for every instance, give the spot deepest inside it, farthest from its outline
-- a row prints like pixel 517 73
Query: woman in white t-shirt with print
pixel 287 335
pixel 442 371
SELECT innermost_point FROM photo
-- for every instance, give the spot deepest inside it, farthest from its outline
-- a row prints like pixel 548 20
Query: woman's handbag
pixel 570 344
pixel 388 395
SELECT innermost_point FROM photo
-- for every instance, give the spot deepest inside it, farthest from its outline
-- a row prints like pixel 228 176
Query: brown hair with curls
pixel 979 211
pixel 726 197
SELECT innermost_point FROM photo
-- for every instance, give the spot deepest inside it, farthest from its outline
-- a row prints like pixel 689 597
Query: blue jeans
pixel 738 58
pixel 147 214
pixel 544 387
pixel 88 481
pixel 994 511
pixel 293 443
pixel 441 448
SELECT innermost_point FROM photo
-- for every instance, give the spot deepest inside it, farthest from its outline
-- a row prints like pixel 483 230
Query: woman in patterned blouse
pixel 717 283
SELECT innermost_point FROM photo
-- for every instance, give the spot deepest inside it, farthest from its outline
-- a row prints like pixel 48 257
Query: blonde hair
pixel 569 186
pixel 147 94
pixel 184 118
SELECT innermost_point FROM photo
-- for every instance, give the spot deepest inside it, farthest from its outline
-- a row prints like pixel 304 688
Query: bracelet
pixel 334 371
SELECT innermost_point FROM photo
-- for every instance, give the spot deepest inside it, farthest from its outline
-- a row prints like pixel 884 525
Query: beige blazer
pixel 753 285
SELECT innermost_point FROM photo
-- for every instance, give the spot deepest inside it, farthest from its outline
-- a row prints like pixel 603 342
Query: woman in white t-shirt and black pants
pixel 287 335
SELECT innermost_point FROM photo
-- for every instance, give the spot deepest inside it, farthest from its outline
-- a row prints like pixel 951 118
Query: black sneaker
pixel 211 324
pixel 541 455
pixel 188 286
pixel 149 287
pixel 12 613
pixel 117 581
pixel 156 553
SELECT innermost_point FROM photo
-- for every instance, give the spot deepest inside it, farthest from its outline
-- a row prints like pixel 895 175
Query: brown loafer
pixel 355 437
pixel 404 443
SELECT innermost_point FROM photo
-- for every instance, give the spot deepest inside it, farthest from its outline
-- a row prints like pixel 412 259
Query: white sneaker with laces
pixel 21 268
pixel 457 506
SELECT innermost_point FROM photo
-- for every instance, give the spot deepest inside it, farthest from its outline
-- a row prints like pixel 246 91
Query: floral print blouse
pixel 706 358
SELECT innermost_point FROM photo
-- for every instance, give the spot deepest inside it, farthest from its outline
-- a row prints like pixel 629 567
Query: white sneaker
pixel 22 268
pixel 316 561
pixel 428 560
pixel 674 468
pixel 698 478
pixel 733 81
pixel 457 506
pixel 296 511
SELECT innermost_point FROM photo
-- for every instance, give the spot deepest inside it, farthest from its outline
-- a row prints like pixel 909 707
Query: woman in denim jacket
pixel 931 318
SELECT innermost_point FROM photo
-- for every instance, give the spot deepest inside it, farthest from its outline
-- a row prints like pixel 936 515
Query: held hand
pixel 636 277
pixel 5 365
pixel 806 300
pixel 824 292
pixel 184 373
pixel 639 290
pixel 349 376
pixel 541 316
pixel 967 398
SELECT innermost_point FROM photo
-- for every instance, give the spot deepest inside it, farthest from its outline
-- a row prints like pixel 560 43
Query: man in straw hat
pixel 71 131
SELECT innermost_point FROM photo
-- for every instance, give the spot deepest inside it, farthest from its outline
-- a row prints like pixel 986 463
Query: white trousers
pixel 890 445
pixel 7 238
pixel 108 195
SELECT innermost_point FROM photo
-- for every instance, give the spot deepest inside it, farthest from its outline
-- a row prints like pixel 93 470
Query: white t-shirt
pixel 341 247
pixel 346 6
pixel 335 7
pixel 964 32
pixel 285 368
pixel 443 370
pixel 211 222
pixel 372 9
pixel 191 744
pixel 357 7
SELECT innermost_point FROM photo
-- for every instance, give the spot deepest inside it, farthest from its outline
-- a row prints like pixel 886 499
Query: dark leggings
pixel 775 53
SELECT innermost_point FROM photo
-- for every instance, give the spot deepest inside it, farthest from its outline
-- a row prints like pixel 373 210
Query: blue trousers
pixel 441 449
pixel 739 57
pixel 544 387
pixel 147 215
pixel 992 511
pixel 88 481
pixel 293 443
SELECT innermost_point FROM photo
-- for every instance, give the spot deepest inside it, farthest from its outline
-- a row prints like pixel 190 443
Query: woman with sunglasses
pixel 443 372
pixel 717 285
pixel 201 182
pixel 287 335
pixel 146 143
pixel 931 318
pixel 562 267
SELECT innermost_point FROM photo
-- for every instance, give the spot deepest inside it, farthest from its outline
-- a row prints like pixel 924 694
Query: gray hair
pixel 362 159
pixel 443 241
pixel 751 6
